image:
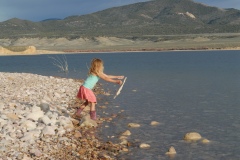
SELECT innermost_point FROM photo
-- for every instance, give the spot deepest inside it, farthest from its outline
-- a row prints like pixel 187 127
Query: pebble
pixel 205 141
pixel 144 145
pixel 154 123
pixel 133 125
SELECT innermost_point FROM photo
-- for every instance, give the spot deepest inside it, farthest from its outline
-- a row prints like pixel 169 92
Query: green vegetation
pixel 16 48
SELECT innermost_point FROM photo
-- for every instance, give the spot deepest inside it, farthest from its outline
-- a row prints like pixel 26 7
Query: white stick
pixel 120 88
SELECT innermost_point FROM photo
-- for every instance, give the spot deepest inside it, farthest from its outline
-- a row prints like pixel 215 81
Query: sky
pixel 37 10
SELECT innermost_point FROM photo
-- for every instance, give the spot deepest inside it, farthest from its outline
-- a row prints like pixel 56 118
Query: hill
pixel 157 17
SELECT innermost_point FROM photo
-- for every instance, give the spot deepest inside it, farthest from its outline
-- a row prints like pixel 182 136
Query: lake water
pixel 186 91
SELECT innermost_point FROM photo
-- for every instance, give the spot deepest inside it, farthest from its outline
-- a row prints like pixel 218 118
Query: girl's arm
pixel 113 77
pixel 110 78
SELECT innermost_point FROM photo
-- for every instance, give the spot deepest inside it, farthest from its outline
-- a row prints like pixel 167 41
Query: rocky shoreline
pixel 36 120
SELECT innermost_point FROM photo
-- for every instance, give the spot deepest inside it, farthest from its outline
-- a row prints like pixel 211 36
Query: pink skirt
pixel 86 94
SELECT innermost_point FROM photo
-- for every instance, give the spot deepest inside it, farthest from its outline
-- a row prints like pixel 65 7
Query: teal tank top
pixel 91 81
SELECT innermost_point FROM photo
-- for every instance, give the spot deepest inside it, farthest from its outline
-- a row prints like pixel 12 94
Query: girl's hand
pixel 119 82
pixel 120 77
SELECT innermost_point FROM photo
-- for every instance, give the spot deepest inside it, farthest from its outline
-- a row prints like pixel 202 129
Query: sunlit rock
pixel 88 122
pixel 171 151
pixel 144 146
pixel 48 130
pixel 134 125
pixel 30 125
pixel 35 115
pixel 192 136
pixel 126 133
pixel 205 141
pixel 154 123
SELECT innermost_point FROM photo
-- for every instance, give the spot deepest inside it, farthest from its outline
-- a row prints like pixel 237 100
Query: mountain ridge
pixel 157 17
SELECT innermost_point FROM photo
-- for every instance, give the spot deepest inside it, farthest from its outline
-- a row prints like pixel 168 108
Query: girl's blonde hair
pixel 96 66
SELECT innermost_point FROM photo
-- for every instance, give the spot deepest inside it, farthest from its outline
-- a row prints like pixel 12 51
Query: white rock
pixel 25 157
pixel 35 108
pixel 27 138
pixel 46 120
pixel 2 121
pixel 47 98
pixel 30 125
pixel 57 95
pixel 4 117
pixel 35 115
pixel 61 131
pixel 48 130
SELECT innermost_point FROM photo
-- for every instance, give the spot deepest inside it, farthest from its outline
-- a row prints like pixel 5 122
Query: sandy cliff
pixel 29 50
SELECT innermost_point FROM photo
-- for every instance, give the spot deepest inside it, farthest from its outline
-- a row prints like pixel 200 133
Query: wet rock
pixel 126 133
pixel 154 123
pixel 171 151
pixel 192 136
pixel 124 142
pixel 104 156
pixel 123 137
pixel 103 107
pixel 134 125
pixel 205 141
pixel 125 150
pixel 88 122
pixel 144 146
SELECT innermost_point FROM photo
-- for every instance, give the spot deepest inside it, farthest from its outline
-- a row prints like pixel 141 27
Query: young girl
pixel 85 91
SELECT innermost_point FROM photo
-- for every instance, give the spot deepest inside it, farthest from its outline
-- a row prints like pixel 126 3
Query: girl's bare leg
pixel 92 107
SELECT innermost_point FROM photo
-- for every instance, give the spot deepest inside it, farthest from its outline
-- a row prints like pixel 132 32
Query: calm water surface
pixel 184 91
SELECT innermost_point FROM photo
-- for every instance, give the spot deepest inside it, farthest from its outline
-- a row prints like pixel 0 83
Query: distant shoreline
pixel 42 52
pixel 39 46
